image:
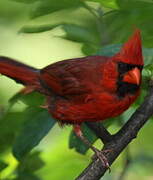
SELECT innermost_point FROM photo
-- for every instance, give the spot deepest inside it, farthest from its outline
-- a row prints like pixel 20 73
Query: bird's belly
pixel 103 107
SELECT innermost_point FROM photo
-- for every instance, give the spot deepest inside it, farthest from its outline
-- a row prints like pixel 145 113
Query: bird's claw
pixel 101 156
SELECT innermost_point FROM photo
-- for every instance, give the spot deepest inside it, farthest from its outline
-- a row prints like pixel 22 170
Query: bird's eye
pixel 124 67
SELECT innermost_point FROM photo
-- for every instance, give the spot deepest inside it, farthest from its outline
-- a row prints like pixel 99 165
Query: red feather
pixel 18 71
pixel 131 51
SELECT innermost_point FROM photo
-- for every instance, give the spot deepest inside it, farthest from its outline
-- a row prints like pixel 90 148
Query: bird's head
pixel 130 60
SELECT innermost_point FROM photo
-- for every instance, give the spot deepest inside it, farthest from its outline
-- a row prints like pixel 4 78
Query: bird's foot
pixel 101 156
pixel 98 154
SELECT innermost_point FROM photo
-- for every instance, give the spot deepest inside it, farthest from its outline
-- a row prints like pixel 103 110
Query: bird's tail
pixel 19 72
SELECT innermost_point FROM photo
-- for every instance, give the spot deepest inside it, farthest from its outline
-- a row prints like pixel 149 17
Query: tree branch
pixel 121 139
pixel 100 131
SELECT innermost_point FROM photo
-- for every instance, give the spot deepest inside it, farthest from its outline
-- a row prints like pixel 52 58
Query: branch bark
pixel 121 139
pixel 100 131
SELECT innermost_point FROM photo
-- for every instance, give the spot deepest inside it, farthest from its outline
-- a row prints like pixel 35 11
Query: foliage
pixel 102 27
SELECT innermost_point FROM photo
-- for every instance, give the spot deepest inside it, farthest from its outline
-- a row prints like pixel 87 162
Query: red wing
pixel 75 76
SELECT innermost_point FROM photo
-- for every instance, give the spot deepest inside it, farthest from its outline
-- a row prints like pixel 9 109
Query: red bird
pixel 87 89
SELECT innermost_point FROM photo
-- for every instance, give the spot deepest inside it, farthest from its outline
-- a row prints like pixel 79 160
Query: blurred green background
pixel 78 31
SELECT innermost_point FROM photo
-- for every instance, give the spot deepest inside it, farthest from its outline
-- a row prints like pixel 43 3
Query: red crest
pixel 131 51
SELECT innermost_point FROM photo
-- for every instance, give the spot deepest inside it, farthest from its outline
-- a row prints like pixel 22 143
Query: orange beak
pixel 133 76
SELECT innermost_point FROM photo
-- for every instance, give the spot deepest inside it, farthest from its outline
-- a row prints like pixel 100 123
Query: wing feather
pixel 74 76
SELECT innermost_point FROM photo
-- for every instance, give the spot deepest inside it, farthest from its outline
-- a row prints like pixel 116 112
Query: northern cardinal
pixel 87 89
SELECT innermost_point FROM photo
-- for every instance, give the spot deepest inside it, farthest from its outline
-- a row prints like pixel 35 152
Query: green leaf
pixel 79 34
pixel 77 144
pixel 26 1
pixel 109 50
pixel 126 4
pixel 31 163
pixel 31 99
pixel 26 176
pixel 107 3
pixel 38 29
pixel 89 49
pixel 73 32
pixel 50 6
pixel 37 125
pixel 3 165
pixel 148 56
pixel 144 92
pixel 10 123
pixel 120 23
